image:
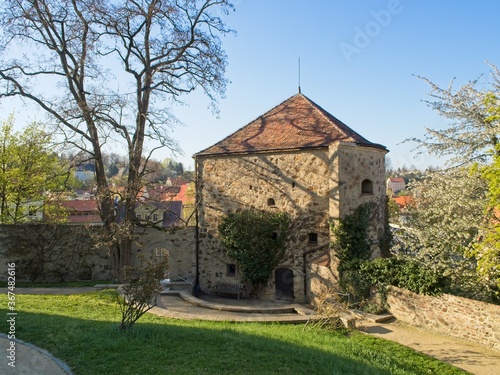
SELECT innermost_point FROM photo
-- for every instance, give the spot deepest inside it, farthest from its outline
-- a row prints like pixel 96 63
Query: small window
pixel 155 217
pixel 367 187
pixel 313 238
pixel 139 216
pixel 230 270
pixel 271 202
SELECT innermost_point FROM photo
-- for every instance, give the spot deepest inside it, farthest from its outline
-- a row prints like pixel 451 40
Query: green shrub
pixel 256 241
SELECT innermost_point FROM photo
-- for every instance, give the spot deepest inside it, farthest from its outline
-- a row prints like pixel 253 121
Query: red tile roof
pixel 296 123
pixel 404 200
pixel 397 179
pixel 82 211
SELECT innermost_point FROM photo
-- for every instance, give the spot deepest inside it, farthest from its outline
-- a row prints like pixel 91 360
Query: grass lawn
pixel 81 330
pixel 69 284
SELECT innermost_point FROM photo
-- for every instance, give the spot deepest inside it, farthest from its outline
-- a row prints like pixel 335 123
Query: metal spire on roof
pixel 299 76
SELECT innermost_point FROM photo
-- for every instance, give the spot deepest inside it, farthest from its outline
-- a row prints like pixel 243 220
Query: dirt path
pixel 475 358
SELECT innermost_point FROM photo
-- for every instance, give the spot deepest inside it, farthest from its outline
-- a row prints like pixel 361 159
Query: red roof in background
pixel 181 196
pixel 296 123
pixel 80 205
pixel 82 211
pixel 397 179
pixel 403 200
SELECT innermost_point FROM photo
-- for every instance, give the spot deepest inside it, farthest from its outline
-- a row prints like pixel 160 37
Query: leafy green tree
pixel 156 50
pixel 487 250
pixel 32 177
pixel 256 241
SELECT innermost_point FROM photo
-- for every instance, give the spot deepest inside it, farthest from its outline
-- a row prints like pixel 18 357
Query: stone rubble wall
pixel 350 166
pixel 70 254
pixel 296 181
pixel 315 186
pixel 455 316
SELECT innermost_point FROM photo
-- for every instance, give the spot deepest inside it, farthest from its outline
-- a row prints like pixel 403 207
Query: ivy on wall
pixel 352 249
pixel 359 275
pixel 256 241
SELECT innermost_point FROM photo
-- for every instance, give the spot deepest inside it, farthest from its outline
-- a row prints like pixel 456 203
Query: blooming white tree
pixel 454 213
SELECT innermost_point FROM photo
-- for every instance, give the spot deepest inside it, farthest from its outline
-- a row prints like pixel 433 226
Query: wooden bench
pixel 227 288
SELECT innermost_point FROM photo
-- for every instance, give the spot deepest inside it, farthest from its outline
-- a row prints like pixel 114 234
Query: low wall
pixel 68 253
pixel 455 316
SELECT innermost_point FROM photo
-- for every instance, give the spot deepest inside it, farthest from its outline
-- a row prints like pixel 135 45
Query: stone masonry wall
pixel 293 182
pixel 67 253
pixel 313 186
pixel 351 165
pixel 455 316
pixel 179 245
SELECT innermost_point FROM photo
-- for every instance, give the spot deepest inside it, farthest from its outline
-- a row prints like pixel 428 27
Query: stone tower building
pixel 296 158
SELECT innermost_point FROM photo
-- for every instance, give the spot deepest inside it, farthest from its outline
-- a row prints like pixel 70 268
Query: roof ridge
pixel 248 123
pixel 321 111
pixel 328 116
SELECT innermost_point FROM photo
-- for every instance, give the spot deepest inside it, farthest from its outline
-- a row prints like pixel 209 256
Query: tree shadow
pixel 176 347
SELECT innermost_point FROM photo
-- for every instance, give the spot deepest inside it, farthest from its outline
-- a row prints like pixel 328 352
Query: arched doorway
pixel 284 284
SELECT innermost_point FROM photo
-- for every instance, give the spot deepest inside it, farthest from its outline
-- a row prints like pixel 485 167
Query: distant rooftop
pixel 296 123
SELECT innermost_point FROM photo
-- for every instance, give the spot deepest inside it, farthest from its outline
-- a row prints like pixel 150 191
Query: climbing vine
pixel 358 274
pixel 256 241
pixel 352 249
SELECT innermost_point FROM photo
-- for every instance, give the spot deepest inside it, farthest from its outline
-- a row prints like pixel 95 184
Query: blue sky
pixel 359 61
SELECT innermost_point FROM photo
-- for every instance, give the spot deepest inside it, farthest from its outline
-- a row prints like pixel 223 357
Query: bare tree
pixel 55 54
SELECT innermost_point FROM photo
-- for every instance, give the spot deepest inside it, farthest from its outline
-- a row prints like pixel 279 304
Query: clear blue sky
pixel 359 60
pixel 368 81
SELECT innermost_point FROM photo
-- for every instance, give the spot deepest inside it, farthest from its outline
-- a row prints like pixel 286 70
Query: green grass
pixel 68 284
pixel 82 331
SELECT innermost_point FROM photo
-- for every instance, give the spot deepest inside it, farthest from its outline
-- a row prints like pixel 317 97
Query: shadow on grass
pixel 82 331
pixel 93 347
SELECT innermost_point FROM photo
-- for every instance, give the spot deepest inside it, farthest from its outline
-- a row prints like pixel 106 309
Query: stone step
pixel 177 285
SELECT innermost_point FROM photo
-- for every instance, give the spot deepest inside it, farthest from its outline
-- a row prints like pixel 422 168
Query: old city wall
pixel 178 244
pixel 52 253
pixel 68 253
pixel 294 182
pixel 455 316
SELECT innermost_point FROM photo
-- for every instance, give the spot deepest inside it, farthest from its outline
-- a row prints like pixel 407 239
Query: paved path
pixel 471 357
pixel 28 359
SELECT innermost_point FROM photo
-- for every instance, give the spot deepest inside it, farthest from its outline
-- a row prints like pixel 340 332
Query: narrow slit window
pixel 313 238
